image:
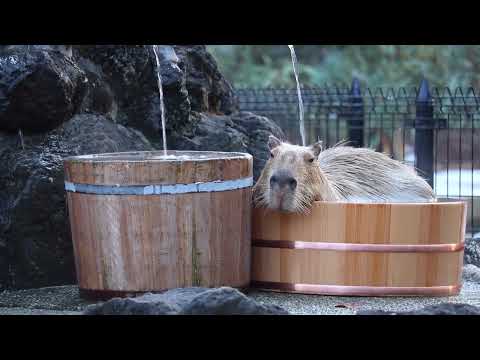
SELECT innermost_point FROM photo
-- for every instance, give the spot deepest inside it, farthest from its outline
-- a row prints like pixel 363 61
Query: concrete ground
pixel 65 300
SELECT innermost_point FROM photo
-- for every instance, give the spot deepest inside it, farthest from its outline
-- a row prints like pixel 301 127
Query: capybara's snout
pixel 283 180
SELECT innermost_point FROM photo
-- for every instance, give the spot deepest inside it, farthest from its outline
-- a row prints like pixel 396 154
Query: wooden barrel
pixel 141 222
pixel 361 249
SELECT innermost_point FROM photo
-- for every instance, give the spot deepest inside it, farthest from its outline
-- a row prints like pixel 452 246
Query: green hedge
pixel 373 65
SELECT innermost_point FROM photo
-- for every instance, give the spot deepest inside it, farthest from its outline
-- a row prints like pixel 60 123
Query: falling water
pixel 20 134
pixel 162 108
pixel 300 102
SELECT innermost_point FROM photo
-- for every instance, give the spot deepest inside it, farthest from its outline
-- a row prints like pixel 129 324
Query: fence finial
pixel 424 133
pixel 424 92
pixel 356 90
pixel 355 115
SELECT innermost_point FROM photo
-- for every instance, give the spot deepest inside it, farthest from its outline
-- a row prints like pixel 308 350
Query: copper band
pixel 358 290
pixel 402 248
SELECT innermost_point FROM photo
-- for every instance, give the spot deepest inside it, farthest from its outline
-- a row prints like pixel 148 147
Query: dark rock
pixel 257 129
pixel 228 301
pixel 440 309
pixel 39 90
pixel 471 254
pixel 133 306
pixel 208 90
pixel 242 131
pixel 99 97
pixel 212 133
pixel 201 107
pixel 66 50
pixel 186 301
pixel 129 74
pixel 35 240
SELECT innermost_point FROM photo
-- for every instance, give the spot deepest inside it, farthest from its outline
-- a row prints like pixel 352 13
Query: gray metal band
pixel 212 186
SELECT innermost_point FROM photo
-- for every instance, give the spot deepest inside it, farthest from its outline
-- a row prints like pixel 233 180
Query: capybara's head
pixel 291 178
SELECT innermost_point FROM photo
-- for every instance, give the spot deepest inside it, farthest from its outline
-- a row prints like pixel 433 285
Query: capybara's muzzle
pixel 283 180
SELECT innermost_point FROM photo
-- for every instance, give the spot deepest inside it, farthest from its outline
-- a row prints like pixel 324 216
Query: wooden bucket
pixel 361 249
pixel 144 223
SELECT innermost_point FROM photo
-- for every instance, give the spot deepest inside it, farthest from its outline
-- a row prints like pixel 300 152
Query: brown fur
pixel 340 173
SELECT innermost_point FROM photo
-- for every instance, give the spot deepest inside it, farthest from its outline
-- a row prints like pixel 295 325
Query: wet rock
pixel 471 254
pixel 212 133
pixel 66 50
pixel 186 301
pixel 242 131
pixel 35 239
pixel 208 90
pixel 440 309
pixel 39 89
pixel 257 129
pixel 201 107
pixel 129 73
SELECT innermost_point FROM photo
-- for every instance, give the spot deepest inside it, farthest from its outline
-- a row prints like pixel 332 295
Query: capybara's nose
pixel 283 178
pixel 292 183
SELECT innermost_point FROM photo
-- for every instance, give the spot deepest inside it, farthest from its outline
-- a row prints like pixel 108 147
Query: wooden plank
pixel 350 247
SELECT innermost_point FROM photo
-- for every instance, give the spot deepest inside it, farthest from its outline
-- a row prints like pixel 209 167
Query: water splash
pixel 300 102
pixel 162 107
pixel 20 134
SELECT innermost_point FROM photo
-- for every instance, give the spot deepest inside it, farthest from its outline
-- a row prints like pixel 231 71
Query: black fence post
pixel 424 125
pixel 356 115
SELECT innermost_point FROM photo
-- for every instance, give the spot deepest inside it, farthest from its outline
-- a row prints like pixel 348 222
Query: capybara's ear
pixel 316 148
pixel 273 142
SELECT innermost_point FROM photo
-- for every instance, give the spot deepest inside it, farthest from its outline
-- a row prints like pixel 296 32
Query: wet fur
pixel 340 173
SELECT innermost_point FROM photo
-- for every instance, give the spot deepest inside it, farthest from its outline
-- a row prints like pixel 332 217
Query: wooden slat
pixel 146 243
pixel 432 223
pixel 356 268
pixel 426 226
pixel 135 171
pixel 135 243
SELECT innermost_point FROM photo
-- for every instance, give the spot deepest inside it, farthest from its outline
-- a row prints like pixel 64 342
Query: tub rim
pixel 142 156
pixel 439 202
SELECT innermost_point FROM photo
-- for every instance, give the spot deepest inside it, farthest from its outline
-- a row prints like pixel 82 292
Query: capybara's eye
pixel 310 160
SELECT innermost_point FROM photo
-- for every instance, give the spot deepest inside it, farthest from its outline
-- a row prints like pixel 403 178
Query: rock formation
pixel 187 301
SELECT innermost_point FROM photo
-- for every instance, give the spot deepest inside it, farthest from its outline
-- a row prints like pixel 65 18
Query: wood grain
pixel 135 243
pixel 402 223
pixel 147 168
pixel 348 223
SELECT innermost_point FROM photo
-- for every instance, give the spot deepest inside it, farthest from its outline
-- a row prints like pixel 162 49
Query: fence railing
pixel 433 129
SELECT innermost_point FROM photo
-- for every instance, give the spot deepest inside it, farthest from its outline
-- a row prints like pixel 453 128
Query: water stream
pixel 299 93
pixel 20 134
pixel 162 107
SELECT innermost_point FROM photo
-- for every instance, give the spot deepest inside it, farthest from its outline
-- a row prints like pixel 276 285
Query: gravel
pixel 65 300
pixel 26 311
pixel 300 304
pixel 56 298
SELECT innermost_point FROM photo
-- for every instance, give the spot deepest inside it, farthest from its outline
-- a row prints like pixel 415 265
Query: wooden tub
pixel 361 249
pixel 141 223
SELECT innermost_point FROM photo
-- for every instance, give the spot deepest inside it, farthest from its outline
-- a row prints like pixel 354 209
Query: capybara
pixel 296 176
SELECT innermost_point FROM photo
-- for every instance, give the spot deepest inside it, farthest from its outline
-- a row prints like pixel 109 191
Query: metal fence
pixel 433 129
